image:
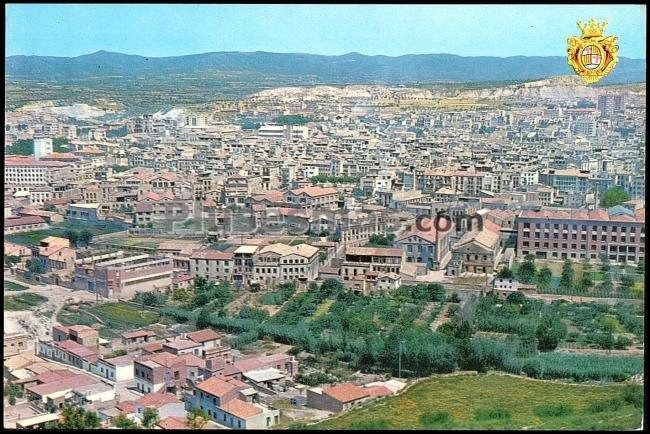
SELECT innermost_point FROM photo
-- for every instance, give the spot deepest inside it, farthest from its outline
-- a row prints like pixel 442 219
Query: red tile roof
pixel 25 220
pixel 378 391
pixel 346 392
pixel 241 409
pixel 203 335
pixel 173 422
pixel 216 386
pixel 157 400
pixel 211 254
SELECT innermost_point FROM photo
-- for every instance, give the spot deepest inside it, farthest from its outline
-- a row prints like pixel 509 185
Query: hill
pixel 346 69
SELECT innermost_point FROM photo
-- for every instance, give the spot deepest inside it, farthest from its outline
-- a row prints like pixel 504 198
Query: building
pixel 14 343
pixel 312 197
pixel 122 277
pixel 42 148
pixel 27 171
pixel 212 264
pixel 84 211
pixel 232 403
pixel 24 224
pixel 115 368
pixel 477 251
pixel 617 232
pixel 338 398
pixel 503 287
pixel 160 372
pixel 361 260
pixel 429 248
pixel 278 263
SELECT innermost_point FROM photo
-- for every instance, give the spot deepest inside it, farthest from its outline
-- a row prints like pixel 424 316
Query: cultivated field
pixel 494 401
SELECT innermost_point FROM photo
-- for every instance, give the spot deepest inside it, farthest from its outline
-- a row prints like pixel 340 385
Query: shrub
pixel 633 394
pixel 431 420
pixel 491 413
pixel 315 379
pixel 550 410
pixel 612 404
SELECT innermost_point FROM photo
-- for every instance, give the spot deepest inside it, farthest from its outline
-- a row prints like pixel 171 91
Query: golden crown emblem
pixel 593 55
pixel 592 28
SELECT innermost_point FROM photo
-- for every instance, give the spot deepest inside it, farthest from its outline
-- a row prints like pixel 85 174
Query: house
pixel 56 393
pixel 505 286
pixel 429 248
pixel 182 346
pixel 81 334
pixel 55 254
pixel 137 337
pixel 361 260
pixel 210 342
pixel 338 398
pixel 231 403
pixel 165 404
pixel 478 251
pixel 115 368
pixel 14 343
pixel 160 372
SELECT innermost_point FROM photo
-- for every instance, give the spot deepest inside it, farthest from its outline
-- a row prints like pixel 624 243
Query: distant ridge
pixel 351 68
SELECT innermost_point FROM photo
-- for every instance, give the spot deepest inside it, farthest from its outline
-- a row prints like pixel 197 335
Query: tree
pixel 85 237
pixel 123 422
pixel 604 263
pixel 544 278
pixel 149 417
pixel 197 418
pixel 505 273
pixel 641 267
pixel 203 319
pixel 626 282
pixel 11 260
pixel 614 196
pixel 454 298
pixel 586 281
pixel 526 272
pixel 567 274
pixel 78 418
pixel 72 236
pixel 35 266
pixel 549 333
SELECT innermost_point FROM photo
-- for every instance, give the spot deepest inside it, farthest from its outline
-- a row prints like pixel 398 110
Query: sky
pixel 392 30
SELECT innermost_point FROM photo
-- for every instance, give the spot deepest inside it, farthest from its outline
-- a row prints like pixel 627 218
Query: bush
pixel 371 424
pixel 550 410
pixel 612 404
pixel 633 394
pixel 431 420
pixel 315 379
pixel 491 413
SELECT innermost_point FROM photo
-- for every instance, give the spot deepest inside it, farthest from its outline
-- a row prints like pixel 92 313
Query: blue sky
pixel 168 30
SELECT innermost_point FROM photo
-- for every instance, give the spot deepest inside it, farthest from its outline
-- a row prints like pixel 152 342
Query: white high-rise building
pixel 42 147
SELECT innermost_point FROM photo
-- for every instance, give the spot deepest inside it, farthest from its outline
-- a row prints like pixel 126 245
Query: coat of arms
pixel 592 55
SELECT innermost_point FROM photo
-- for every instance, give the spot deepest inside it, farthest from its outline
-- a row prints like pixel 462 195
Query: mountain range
pixel 352 68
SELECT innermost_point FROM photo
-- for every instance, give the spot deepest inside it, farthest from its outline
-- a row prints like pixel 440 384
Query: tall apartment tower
pixel 42 148
pixel 609 104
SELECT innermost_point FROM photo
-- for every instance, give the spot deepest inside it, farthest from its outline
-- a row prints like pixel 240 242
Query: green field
pixel 12 286
pixel 23 301
pixel 118 317
pixel 33 238
pixel 493 401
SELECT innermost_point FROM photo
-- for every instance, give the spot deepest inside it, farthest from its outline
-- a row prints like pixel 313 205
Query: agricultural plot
pixel 12 286
pixel 486 402
pixel 33 238
pixel 117 317
pixel 25 301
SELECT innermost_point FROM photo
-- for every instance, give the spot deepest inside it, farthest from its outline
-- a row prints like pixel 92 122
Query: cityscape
pixel 246 239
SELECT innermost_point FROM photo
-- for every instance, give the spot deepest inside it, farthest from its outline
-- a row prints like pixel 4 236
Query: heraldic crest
pixel 592 55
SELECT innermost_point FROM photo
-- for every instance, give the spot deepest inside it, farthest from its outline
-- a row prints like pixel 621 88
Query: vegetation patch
pixel 491 396
pixel 12 286
pixel 24 301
